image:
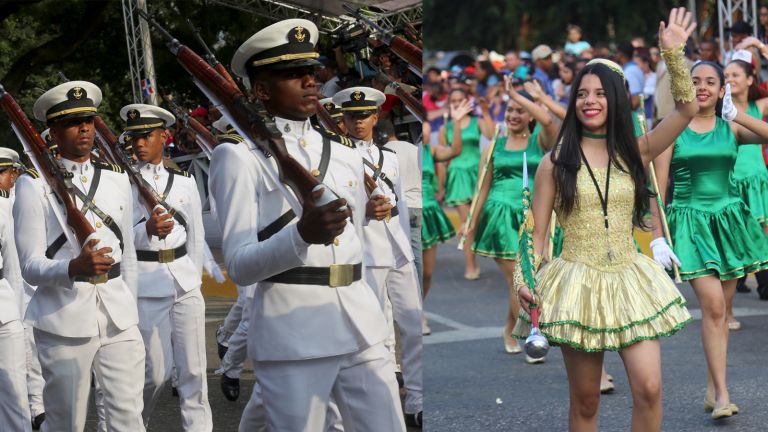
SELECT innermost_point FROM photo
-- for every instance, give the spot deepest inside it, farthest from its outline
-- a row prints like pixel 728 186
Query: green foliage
pixel 522 24
pixel 86 40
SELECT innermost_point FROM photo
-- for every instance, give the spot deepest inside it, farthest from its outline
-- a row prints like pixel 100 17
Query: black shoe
pixel 174 391
pixel 399 378
pixel 38 421
pixel 230 387
pixel 741 286
pixel 762 291
pixel 414 420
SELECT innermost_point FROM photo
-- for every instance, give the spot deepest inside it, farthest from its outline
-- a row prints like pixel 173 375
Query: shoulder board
pixel 232 138
pixel 333 136
pixel 387 149
pixel 32 172
pixel 107 166
pixel 4 193
pixel 178 171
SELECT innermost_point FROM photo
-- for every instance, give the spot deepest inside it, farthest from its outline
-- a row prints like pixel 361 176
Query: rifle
pixel 250 119
pixel 203 137
pixel 411 103
pixel 410 53
pixel 49 167
pixel 209 56
pixel 411 32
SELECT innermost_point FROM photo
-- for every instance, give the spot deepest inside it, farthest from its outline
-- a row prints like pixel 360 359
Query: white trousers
pixel 14 408
pixel 297 393
pixel 35 380
pixel 116 356
pixel 234 360
pixel 173 330
pixel 400 286
pixel 234 316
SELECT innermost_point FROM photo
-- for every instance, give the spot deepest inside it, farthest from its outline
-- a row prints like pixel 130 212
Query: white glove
pixel 663 254
pixel 729 109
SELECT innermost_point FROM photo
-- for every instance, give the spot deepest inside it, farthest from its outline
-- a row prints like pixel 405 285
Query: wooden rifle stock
pixel 59 179
pixel 250 119
pixel 414 106
pixel 212 60
pixel 412 34
pixel 207 139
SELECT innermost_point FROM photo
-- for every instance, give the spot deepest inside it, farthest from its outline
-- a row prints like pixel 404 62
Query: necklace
pixel 588 134
pixel 603 199
pixel 705 116
pixel 521 135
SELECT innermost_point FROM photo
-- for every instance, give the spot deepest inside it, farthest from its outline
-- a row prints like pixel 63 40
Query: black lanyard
pixel 603 199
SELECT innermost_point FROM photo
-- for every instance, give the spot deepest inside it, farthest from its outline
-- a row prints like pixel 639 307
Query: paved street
pixel 471 384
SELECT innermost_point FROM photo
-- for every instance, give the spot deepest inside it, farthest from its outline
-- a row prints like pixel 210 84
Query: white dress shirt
pixel 159 279
pixel 61 305
pixel 292 321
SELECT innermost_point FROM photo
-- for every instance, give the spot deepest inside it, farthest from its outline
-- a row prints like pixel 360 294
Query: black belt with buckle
pixel 336 275
pixel 111 274
pixel 162 256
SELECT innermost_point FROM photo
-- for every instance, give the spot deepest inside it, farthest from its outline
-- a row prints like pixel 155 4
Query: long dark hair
pixel 754 92
pixel 623 150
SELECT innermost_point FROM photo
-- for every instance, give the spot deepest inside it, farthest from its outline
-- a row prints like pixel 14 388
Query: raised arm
pixel 486 122
pixel 748 130
pixel 441 152
pixel 548 134
pixel 539 95
pixel 672 38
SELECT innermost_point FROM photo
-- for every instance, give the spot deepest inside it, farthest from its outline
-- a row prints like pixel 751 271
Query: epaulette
pixel 4 193
pixel 232 138
pixel 178 171
pixel 333 136
pixel 32 172
pixel 107 166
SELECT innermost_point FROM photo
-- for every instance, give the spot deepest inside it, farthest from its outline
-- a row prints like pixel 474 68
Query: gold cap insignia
pixel 297 34
pixel 76 93
pixel 358 95
pixel 133 114
pixel 329 106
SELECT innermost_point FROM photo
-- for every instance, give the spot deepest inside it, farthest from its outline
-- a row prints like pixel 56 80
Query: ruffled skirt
pixel 460 185
pixel 435 225
pixel 596 310
pixel 754 192
pixel 496 235
pixel 728 242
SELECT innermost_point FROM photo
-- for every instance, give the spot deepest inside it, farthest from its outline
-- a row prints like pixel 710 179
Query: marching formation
pixel 315 199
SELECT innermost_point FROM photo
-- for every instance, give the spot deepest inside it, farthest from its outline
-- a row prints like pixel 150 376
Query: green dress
pixel 496 235
pixel 713 231
pixel 435 226
pixel 751 175
pixel 462 170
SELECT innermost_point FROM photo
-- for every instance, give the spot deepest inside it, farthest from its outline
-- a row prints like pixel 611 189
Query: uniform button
pixel 99 224
pixel 303 142
pixel 157 177
pixel 316 172
pixel 83 179
pixel 336 241
pixel 350 183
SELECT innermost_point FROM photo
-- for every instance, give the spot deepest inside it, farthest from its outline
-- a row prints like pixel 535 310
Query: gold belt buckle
pixel 166 255
pixel 341 275
pixel 99 279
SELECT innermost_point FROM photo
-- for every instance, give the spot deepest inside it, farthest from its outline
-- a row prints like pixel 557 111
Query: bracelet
pixel 681 84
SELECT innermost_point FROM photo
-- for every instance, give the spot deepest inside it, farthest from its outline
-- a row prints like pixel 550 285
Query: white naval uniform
pixel 171 306
pixel 14 407
pixel 80 326
pixel 390 271
pixel 307 341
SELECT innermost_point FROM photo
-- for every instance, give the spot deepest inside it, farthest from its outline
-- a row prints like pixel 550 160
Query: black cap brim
pixel 300 63
pixel 84 114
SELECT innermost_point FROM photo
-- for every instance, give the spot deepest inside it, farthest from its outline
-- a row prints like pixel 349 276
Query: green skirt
pixel 460 185
pixel 728 242
pixel 496 235
pixel 435 225
pixel 754 192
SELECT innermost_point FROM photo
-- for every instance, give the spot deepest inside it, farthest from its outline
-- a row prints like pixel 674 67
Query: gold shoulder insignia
pixel 107 166
pixel 334 137
pixel 32 172
pixel 178 171
pixel 232 138
pixel 4 193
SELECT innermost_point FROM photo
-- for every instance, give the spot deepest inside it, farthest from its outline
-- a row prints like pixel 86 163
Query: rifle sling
pixel 288 216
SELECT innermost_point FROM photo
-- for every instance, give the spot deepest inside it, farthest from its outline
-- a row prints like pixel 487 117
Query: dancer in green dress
pixel 435 225
pixel 495 226
pixel 462 171
pixel 750 173
pixel 715 236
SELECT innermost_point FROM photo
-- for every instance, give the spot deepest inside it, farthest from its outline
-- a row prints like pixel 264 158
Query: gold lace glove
pixel 680 76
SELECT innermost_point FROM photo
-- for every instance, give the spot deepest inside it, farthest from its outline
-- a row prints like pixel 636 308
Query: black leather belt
pixel 163 255
pixel 111 274
pixel 394 212
pixel 336 275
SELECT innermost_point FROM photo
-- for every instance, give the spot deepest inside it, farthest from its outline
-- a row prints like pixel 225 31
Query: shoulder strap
pixel 280 223
pixel 377 173
pixel 176 215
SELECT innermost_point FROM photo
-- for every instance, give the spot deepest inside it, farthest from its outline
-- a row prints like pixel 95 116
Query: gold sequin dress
pixel 596 303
